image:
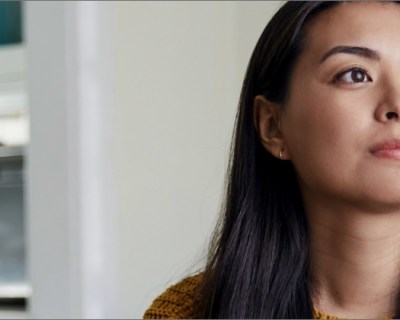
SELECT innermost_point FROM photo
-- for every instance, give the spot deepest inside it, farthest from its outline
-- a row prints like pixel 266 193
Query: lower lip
pixel 388 154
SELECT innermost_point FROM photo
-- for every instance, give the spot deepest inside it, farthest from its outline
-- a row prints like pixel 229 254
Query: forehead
pixel 365 23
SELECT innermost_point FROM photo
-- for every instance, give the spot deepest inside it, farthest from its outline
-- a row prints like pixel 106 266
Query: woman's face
pixel 341 123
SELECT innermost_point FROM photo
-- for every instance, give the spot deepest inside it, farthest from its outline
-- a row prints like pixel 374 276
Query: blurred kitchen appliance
pixel 13 282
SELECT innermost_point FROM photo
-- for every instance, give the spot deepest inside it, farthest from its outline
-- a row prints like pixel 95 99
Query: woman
pixel 311 221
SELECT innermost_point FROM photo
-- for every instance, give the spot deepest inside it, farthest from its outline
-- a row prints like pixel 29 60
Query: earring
pixel 280 155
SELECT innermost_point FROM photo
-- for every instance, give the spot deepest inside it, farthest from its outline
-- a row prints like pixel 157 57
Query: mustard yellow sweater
pixel 177 302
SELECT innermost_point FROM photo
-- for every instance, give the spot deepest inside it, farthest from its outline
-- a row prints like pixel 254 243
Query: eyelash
pixel 340 75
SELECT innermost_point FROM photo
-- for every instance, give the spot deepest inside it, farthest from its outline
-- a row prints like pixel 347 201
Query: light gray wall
pixel 178 73
pixel 71 211
pixel 132 107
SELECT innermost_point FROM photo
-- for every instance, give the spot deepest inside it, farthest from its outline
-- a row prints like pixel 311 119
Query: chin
pixel 381 202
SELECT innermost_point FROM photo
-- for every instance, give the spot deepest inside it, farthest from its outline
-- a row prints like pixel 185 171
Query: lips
pixel 389 149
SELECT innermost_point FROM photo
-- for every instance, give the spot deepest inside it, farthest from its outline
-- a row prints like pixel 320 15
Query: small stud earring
pixel 280 155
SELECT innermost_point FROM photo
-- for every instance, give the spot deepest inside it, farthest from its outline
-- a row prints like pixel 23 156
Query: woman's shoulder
pixel 177 302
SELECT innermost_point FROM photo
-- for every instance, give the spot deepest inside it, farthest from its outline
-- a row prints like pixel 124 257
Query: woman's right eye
pixel 354 75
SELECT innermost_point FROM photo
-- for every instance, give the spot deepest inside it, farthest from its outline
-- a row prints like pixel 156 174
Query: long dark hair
pixel 258 259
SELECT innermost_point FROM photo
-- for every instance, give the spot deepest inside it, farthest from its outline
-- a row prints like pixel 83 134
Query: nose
pixel 389 108
pixel 391 115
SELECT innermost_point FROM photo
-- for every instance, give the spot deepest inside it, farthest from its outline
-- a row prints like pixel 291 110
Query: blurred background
pixel 115 126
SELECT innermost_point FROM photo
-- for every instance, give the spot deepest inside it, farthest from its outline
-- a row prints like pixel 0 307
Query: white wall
pixel 71 209
pixel 158 120
pixel 179 69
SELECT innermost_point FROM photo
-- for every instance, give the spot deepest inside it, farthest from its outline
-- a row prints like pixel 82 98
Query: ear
pixel 267 123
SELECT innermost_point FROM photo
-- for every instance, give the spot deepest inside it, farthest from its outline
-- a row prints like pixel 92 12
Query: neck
pixel 354 261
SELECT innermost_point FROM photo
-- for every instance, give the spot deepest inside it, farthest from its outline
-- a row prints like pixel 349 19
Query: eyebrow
pixel 358 51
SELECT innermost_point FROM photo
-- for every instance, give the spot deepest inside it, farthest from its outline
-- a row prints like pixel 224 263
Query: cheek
pixel 321 133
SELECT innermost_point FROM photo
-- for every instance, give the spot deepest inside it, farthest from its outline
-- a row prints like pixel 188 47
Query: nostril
pixel 392 115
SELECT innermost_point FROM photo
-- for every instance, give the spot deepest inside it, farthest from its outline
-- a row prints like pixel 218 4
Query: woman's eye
pixel 355 75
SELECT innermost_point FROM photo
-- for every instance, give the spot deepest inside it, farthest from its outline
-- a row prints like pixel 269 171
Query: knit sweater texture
pixel 178 302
